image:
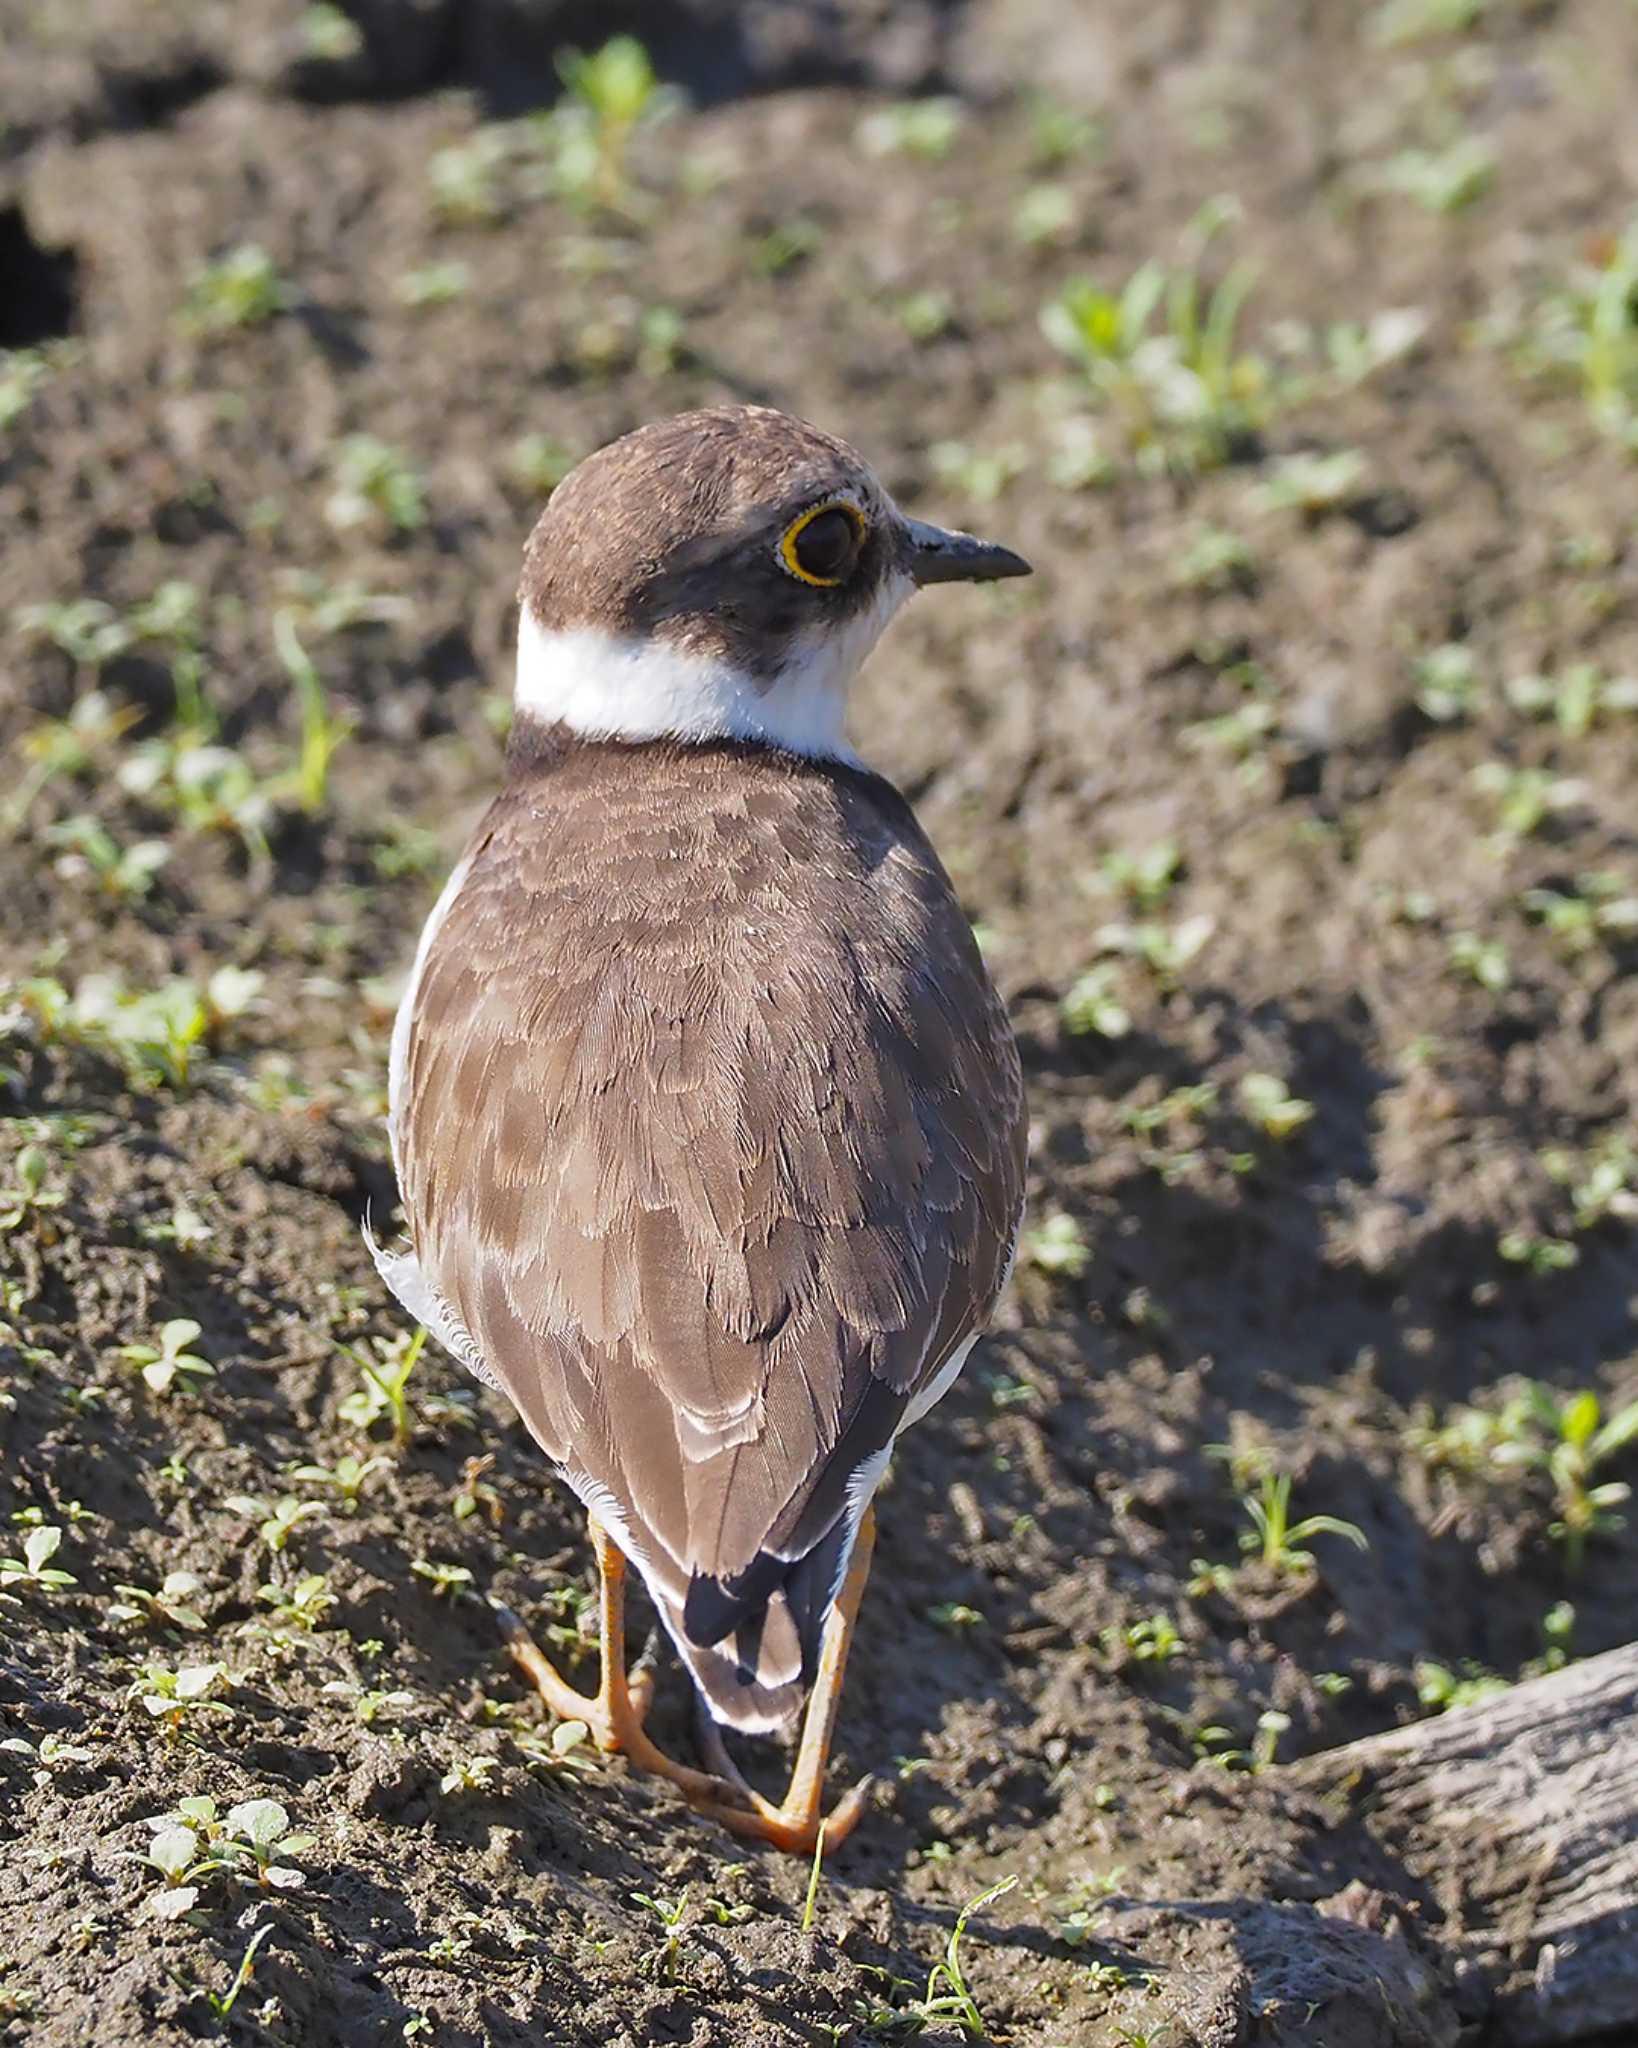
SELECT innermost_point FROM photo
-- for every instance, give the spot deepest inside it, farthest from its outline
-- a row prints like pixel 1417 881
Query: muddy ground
pixel 1219 650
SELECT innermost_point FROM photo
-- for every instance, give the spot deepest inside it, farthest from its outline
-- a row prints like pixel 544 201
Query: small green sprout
pixel 1272 1107
pixel 469 1774
pixel 330 35
pixel 348 1477
pixel 169 1605
pixel 1277 1541
pixel 955 2002
pixel 562 1753
pixel 277 1521
pixel 443 1578
pixel 170 1363
pixel 301 1606
pixel 1577 698
pixel 925 128
pixel 1154 1641
pixel 433 284
pixel 222 2004
pixel 1056 1246
pixel 184 1694
pixel 321 733
pixel 1446 180
pixel 91 852
pixel 1216 560
pixel 1481 960
pixel 1166 950
pixel 51 1754
pixel 1091 1008
pixel 1447 681
pixel 181 1856
pixel 386 1383
pixel 256 1837
pixel 1595 913
pixel 955 1618
pixel 240 289
pixel 34 1568
pixel 1524 798
pixel 612 93
pixel 1439 1688
pixel 29 1197
pixel 374 486
pixel 1312 483
pixel 1541 1254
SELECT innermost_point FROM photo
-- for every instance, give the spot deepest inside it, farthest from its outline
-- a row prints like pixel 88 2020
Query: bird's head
pixel 721 575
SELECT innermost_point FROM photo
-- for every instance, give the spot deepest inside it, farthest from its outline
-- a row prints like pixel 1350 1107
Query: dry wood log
pixel 1520 1816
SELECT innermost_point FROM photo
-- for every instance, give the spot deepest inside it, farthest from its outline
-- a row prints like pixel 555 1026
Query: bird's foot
pixel 561 1698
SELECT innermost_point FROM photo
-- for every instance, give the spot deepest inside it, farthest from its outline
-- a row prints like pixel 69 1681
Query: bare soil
pixel 1307 1295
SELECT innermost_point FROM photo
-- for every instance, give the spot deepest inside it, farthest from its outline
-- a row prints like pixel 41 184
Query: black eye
pixel 823 547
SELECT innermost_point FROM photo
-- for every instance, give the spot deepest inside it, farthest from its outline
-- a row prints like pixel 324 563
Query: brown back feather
pixel 712 1122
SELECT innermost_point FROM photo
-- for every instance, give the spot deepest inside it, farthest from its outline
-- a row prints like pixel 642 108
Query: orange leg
pixel 615 1714
pixel 797 1823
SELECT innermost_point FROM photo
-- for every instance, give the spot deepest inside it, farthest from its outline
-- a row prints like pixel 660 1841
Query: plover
pixel 708 1122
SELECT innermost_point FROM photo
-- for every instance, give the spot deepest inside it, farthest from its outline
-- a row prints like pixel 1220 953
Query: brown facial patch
pixel 674 531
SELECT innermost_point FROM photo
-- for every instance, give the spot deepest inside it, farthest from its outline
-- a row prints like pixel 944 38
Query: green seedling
pixel 1312 484
pixel 665 1961
pixel 1154 1641
pixel 182 1859
pixel 301 1606
pixel 386 1376
pixel 925 128
pixel 169 1605
pixel 1481 960
pixel 444 1579
pixel 465 179
pixel 1145 878
pixel 1584 1441
pixel 1165 949
pixel 90 851
pixel 1603 1182
pixel 1181 392
pixel 1439 1688
pixel 469 1774
pixel 34 1570
pixel 330 35
pixel 374 486
pixel 1272 1107
pixel 1056 1246
pixel 1576 699
pixel 1541 1254
pixel 1215 560
pixel 174 1697
pixel 370 1703
pixel 1597 913
pixel 1092 1009
pixel 1524 798
pixel 347 1478
pixel 222 2005
pixel 540 462
pixel 256 1839
pixel 321 734
pixel 1446 180
pixel 433 284
pixel 1447 680
pixel 241 289
pixel 1276 1541
pixel 564 1753
pixel 29 1197
pixel 170 1363
pixel 51 1754
pixel 1409 21
pixel 64 749
pixel 611 94
pixel 947 1997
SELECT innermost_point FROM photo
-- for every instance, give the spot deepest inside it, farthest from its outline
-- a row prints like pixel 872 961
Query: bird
pixel 707 1119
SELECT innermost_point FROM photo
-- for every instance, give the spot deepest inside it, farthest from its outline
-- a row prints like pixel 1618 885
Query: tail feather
pixel 752 1644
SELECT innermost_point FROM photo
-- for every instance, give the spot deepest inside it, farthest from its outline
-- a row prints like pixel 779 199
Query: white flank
pixel 614 686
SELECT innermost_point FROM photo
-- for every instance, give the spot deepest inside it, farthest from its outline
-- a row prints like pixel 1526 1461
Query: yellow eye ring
pixel 793 533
